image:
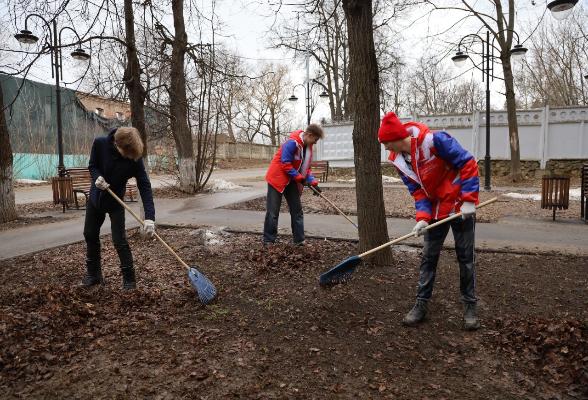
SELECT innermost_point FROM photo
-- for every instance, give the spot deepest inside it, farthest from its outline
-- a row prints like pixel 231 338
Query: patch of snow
pixel 574 195
pixel 219 185
pixel 209 237
pixel 352 180
pixel 31 181
pixel 390 179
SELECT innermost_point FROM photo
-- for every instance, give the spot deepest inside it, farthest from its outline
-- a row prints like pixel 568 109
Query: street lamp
pixel 26 37
pixel 308 85
pixel 561 9
pixel 460 58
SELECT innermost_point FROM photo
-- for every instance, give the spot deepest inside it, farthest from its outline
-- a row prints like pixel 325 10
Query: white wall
pixel 544 134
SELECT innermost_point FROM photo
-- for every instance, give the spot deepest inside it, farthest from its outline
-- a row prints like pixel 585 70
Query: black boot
pixel 93 274
pixel 417 314
pixel 470 317
pixel 128 274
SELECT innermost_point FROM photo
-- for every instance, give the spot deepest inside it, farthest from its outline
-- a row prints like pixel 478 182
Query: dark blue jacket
pixel 106 161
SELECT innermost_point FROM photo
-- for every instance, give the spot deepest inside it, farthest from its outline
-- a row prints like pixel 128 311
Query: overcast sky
pixel 245 26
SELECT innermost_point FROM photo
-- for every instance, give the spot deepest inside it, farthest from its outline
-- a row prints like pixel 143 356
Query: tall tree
pixel 178 102
pixel 364 92
pixel 7 204
pixel 132 76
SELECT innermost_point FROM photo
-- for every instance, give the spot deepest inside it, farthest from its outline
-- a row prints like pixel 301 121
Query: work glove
pixel 314 184
pixel 468 210
pixel 419 228
pixel 101 183
pixel 149 228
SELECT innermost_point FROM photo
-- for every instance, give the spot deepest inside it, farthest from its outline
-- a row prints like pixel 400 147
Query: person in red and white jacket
pixel 288 172
pixel 443 179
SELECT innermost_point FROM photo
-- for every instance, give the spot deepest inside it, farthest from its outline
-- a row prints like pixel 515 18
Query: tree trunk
pixel 364 100
pixel 132 76
pixel 513 127
pixel 179 104
pixel 7 204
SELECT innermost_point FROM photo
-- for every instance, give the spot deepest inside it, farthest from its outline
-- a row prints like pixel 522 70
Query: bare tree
pixel 7 203
pixel 364 94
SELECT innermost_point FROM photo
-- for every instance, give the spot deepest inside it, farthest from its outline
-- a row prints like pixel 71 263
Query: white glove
pixel 468 210
pixel 149 228
pixel 419 227
pixel 101 183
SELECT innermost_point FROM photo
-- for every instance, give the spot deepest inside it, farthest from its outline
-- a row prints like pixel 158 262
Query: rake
pixel 203 286
pixel 342 272
pixel 334 206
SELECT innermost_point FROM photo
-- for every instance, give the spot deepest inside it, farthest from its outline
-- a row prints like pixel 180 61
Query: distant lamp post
pixel 459 59
pixel 308 85
pixel 561 9
pixel 26 37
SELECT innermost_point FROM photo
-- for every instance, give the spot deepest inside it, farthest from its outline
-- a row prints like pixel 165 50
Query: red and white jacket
pixel 442 174
pixel 289 163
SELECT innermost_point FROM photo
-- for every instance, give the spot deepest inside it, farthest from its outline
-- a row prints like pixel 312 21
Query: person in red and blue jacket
pixel 288 172
pixel 443 179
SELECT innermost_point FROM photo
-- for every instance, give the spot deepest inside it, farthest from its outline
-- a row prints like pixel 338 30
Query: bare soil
pixel 400 204
pixel 38 214
pixel 273 333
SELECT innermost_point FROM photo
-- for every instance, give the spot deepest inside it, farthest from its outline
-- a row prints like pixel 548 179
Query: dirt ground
pixel 274 333
pixel 400 204
pixel 37 214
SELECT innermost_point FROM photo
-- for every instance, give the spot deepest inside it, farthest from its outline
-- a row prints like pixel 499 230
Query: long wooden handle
pixel 335 207
pixel 122 203
pixel 400 239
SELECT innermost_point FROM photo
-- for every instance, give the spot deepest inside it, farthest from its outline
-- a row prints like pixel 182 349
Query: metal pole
pixel 487 169
pixel 60 167
pixel 307 91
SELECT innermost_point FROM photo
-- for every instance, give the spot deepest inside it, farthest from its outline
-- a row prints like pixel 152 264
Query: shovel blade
pixel 203 286
pixel 341 273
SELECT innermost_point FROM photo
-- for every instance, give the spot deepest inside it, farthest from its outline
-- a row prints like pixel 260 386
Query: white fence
pixel 544 134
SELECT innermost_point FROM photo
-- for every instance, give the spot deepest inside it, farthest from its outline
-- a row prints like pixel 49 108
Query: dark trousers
pixel 463 234
pixel 94 220
pixel 274 202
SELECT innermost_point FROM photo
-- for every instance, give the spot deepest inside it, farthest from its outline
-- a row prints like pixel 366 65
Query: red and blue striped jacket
pixel 442 174
pixel 287 163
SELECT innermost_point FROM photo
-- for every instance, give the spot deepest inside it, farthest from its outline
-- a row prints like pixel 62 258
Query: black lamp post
pixel 307 88
pixel 26 37
pixel 561 9
pixel 460 58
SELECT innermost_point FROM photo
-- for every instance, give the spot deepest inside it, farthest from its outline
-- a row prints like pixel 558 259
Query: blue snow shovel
pixel 203 286
pixel 342 272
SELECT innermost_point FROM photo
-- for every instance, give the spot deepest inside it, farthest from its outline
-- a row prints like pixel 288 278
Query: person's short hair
pixel 129 141
pixel 316 130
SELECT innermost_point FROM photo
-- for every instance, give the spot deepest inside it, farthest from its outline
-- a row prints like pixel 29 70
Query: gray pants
pixel 274 202
pixel 464 235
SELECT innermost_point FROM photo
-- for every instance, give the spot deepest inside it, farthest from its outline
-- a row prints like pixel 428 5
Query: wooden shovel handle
pixel 122 203
pixel 400 239
pixel 334 206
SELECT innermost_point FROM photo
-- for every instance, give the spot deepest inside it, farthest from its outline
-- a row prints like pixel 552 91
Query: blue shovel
pixel 204 287
pixel 342 272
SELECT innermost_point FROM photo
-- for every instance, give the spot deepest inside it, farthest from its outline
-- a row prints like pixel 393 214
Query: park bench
pixel 584 193
pixel 320 169
pixel 555 193
pixel 82 181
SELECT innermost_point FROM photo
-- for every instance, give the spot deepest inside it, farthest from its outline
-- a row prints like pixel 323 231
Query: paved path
pixel 203 209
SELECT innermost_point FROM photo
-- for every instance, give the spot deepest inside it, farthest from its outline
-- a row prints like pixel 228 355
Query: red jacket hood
pixel 296 136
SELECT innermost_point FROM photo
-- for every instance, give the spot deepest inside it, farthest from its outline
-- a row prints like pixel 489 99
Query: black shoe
pixel 416 315
pixel 129 282
pixel 93 274
pixel 470 317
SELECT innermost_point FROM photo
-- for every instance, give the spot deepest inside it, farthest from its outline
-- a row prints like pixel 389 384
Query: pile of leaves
pixel 557 348
pixel 283 257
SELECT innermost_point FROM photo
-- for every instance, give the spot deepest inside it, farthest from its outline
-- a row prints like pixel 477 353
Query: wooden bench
pixel 584 193
pixel 555 193
pixel 320 169
pixel 82 181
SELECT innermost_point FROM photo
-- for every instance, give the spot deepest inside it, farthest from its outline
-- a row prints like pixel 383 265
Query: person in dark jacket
pixel 114 159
